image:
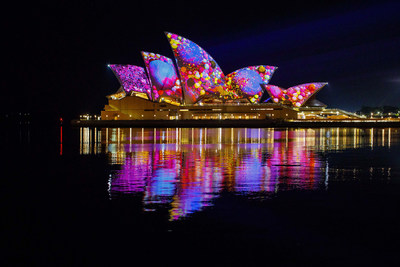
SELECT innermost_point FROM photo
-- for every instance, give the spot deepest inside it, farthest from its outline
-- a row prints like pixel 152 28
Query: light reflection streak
pixel 61 140
pixel 187 168
pixel 372 138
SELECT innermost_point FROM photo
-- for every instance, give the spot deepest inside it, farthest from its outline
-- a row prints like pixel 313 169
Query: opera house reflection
pixel 186 168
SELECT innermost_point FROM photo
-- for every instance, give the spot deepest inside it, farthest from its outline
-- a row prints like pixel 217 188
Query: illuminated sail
pixel 246 82
pixel 132 78
pixel 200 74
pixel 165 83
pixel 296 95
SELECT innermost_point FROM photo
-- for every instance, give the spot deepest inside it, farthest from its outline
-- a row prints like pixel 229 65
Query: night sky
pixel 56 54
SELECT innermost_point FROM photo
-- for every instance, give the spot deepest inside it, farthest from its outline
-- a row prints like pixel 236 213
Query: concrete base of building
pixel 135 108
pixel 235 123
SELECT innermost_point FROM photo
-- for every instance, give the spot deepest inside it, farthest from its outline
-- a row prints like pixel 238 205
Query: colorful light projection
pixel 164 80
pixel 246 82
pixel 296 95
pixel 199 72
pixel 132 78
pixel 200 77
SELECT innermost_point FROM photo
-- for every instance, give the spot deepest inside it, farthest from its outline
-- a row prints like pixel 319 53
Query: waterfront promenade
pixel 367 123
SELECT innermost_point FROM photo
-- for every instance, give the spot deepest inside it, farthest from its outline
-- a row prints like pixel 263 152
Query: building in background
pixel 195 88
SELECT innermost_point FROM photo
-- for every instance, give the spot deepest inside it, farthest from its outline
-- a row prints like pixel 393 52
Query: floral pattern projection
pixel 132 78
pixel 296 95
pixel 200 74
pixel 164 80
pixel 246 82
pixel 200 77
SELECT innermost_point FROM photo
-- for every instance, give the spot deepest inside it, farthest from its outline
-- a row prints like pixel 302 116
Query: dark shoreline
pixel 231 123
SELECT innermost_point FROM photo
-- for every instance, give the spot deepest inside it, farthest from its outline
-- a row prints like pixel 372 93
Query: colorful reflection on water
pixel 184 169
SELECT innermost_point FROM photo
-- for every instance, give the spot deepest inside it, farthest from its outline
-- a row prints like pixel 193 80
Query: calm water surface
pixel 216 196
pixel 186 169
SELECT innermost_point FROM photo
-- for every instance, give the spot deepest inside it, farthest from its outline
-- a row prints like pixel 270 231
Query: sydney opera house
pixel 195 87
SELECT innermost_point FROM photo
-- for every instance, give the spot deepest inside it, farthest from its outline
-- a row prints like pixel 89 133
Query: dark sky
pixel 56 54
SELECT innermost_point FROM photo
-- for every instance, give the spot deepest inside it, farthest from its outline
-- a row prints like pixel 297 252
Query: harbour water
pixel 180 196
